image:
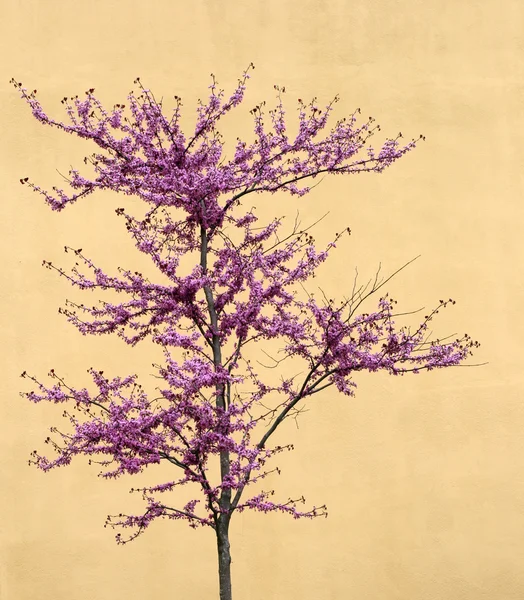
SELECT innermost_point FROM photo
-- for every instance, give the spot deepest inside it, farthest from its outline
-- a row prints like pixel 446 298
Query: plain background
pixel 423 476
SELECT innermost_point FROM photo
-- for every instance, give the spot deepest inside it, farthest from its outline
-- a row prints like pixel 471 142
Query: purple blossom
pixel 212 405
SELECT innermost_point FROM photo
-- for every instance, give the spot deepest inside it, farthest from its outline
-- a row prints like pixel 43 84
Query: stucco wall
pixel 423 476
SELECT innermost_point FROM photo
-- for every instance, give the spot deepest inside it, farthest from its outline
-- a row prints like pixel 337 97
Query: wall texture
pixel 423 476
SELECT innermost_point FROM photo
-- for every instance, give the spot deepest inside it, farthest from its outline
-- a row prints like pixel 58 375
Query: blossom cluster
pixel 245 286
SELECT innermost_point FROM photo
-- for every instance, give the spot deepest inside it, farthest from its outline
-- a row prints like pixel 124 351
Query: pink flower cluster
pixel 245 286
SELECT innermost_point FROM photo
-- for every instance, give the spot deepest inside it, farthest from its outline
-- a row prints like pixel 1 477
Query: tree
pixel 214 414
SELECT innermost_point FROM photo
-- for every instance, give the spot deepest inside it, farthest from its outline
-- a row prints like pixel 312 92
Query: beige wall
pixel 423 476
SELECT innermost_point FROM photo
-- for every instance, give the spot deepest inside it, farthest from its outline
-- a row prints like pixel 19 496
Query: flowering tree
pixel 214 414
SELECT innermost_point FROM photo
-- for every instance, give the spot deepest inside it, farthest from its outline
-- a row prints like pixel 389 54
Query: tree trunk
pixel 224 559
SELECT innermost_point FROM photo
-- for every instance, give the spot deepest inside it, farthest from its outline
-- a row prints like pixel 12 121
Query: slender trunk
pixel 224 559
pixel 222 402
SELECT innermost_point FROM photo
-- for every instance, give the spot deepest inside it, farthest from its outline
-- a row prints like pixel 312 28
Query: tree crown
pixel 246 284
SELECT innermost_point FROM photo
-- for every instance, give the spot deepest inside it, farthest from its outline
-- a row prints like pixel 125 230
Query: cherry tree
pixel 213 416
